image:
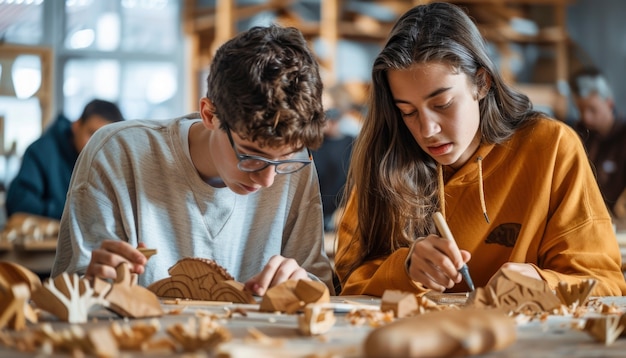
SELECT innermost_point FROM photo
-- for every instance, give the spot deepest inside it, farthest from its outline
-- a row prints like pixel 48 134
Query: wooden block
pixel 147 252
pixel 605 329
pixel 201 279
pixel 128 299
pixel 402 304
pixel 315 320
pixel 292 295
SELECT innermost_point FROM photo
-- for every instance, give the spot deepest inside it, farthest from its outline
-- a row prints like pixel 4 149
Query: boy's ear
pixel 207 112
pixel 483 83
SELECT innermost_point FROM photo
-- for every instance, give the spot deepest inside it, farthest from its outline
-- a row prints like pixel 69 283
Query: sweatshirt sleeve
pixel 371 277
pixel 579 240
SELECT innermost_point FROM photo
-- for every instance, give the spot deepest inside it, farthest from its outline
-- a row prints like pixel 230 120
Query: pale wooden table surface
pixel 552 338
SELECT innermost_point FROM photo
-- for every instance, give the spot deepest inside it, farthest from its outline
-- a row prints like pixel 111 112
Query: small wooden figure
pixel 402 304
pixel 201 279
pixel 12 302
pixel 575 294
pixel 316 320
pixel 292 295
pixel 128 299
pixel 605 329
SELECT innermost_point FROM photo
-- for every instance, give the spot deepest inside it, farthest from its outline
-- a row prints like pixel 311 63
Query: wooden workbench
pixel 554 337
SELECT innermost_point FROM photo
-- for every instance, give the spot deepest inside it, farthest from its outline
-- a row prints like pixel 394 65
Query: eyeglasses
pixel 253 163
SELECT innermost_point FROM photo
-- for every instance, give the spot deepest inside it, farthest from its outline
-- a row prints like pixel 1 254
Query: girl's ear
pixel 483 83
pixel 207 112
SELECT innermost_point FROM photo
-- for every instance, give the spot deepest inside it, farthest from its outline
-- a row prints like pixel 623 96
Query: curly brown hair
pixel 265 86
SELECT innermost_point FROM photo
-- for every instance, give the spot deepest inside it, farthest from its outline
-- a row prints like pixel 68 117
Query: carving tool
pixel 445 232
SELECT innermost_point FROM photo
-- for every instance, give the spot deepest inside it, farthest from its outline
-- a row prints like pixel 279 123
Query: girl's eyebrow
pixel 434 93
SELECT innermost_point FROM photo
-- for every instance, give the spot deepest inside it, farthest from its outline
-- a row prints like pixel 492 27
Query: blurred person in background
pixel 603 133
pixel 41 184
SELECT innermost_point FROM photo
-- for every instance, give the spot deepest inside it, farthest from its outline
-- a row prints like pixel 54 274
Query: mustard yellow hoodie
pixel 544 208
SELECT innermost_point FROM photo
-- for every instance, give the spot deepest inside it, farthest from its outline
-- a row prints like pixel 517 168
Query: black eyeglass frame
pixel 267 162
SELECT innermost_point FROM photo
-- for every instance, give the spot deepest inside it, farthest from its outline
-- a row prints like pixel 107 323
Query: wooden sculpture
pixel 12 303
pixel 201 279
pixel 443 334
pixel 316 320
pixel 514 292
pixel 605 329
pixel 401 303
pixel 12 274
pixel 31 230
pixel 575 294
pixel 292 295
pixel 126 298
pixel 67 297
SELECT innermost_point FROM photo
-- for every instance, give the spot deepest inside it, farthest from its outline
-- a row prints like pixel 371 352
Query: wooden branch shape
pixel 575 294
pixel 128 299
pixel 512 291
pixel 201 279
pixel 443 334
pixel 68 298
pixel 605 329
pixel 292 295
pixel 316 320
pixel 12 302
pixel 401 303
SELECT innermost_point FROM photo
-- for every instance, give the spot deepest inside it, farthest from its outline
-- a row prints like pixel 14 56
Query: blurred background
pixel 151 56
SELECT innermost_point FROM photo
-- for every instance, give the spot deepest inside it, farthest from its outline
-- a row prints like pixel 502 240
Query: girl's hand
pixel 111 253
pixel 277 270
pixel 435 262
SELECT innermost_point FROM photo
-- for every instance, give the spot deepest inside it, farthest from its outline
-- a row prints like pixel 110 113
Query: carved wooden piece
pixel 201 279
pixel 199 333
pixel 128 299
pixel 443 334
pixel 292 295
pixel 316 320
pixel 512 291
pixel 148 253
pixel 25 228
pixel 12 303
pixel 67 297
pixel 401 303
pixel 605 329
pixel 575 294
pixel 12 274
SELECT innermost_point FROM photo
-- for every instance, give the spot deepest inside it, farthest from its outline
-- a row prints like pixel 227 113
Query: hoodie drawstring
pixel 481 189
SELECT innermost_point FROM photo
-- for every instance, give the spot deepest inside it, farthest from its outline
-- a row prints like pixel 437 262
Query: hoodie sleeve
pixel 371 277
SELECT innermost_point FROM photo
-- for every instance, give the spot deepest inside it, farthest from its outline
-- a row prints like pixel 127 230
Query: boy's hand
pixel 435 262
pixel 111 253
pixel 525 269
pixel 278 270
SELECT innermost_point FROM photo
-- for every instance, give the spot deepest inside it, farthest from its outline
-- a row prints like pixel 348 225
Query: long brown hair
pixel 394 180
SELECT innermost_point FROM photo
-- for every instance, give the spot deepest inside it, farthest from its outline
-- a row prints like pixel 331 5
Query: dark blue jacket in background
pixel 41 184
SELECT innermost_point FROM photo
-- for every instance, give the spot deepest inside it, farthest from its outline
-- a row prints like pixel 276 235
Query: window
pixel 126 51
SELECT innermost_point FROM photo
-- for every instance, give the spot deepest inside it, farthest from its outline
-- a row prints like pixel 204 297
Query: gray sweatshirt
pixel 135 182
